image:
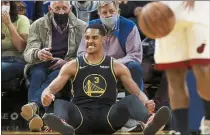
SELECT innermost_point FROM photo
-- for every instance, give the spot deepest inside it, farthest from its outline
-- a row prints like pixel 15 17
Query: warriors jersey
pixel 94 84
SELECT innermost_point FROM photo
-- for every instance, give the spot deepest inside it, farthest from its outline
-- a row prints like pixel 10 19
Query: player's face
pixel 93 41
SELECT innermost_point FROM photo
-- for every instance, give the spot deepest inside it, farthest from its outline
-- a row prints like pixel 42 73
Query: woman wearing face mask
pixel 15 29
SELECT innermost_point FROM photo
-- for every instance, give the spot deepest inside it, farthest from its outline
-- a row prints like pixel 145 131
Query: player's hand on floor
pixel 47 99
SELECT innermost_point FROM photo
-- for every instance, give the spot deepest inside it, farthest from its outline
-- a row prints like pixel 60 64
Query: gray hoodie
pixel 83 10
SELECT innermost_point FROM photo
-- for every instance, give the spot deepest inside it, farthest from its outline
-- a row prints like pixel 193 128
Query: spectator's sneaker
pixel 132 126
pixel 205 127
pixel 29 110
pixel 35 124
pixel 160 119
pixel 58 125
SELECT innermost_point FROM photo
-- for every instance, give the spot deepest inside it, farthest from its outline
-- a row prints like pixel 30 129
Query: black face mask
pixel 81 2
pixel 61 19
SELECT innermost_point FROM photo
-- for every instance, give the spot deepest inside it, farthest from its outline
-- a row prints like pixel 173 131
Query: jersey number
pixel 96 80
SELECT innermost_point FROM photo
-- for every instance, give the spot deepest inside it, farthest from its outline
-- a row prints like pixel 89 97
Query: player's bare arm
pixel 122 73
pixel 66 72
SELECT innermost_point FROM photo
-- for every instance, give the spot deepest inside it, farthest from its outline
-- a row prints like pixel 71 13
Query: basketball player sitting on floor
pixel 187 45
pixel 93 108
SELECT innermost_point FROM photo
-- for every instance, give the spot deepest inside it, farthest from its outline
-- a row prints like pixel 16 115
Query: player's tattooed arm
pixel 122 73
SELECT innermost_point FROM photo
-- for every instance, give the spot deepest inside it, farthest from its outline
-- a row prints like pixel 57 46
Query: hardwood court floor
pixel 54 133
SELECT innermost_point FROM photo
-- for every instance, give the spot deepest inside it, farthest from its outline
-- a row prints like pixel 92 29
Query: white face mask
pixel 111 21
pixel 5 8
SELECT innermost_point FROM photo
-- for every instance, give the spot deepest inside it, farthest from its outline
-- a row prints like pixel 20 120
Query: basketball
pixel 156 20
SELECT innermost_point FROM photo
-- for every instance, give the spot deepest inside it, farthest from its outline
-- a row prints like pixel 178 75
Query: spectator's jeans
pixel 136 73
pixel 40 77
pixel 11 68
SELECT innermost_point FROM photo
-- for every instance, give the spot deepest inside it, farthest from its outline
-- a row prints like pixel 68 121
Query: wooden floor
pixel 54 133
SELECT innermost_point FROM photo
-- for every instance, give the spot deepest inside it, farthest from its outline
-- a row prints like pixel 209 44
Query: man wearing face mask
pixel 53 40
pixel 82 9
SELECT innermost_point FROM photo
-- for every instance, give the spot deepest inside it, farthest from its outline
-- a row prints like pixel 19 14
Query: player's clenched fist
pixel 47 99
pixel 150 104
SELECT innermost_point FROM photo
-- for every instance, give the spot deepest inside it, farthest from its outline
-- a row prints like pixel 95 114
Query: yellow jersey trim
pixel 112 69
pixel 102 60
pixel 72 88
pixel 81 117
pixel 77 70
pixel 108 119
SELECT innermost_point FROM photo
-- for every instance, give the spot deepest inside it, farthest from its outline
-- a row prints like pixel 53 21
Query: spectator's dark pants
pixel 136 73
pixel 11 67
pixel 40 77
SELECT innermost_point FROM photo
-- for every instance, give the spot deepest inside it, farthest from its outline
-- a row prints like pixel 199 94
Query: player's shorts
pixel 85 119
pixel 187 44
pixel 95 121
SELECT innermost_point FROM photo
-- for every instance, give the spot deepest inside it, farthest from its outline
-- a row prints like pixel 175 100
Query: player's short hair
pixel 100 27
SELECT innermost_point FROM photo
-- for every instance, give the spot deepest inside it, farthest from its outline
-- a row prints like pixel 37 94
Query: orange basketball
pixel 156 20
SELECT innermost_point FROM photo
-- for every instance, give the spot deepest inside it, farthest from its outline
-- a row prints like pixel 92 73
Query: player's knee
pixel 134 97
pixel 176 78
pixel 202 73
pixel 132 102
pixel 131 99
pixel 60 104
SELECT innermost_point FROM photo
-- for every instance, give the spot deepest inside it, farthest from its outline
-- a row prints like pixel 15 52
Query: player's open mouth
pixel 91 47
